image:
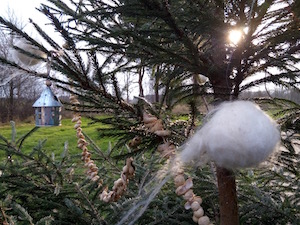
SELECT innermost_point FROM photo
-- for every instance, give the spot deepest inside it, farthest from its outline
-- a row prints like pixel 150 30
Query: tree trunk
pixel 141 76
pixel 227 197
pixel 11 101
pixel 226 180
pixel 156 85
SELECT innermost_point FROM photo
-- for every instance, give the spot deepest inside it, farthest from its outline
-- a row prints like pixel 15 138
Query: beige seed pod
pixel 148 118
pixel 197 199
pixel 129 161
pixel 72 97
pixel 157 126
pixel 199 213
pixel 203 220
pixel 89 163
pixel 131 171
pixel 134 142
pixel 179 180
pixel 125 169
pixel 195 206
pixel 85 149
pixel 124 177
pixel 86 155
pixel 187 205
pixel 119 182
pixel 162 133
pixel 120 192
pixel 185 187
pixel 94 168
pixel 93 174
pixel 163 147
pixel 76 118
pixel 75 102
pixel 77 125
pixel 95 178
pixel 80 145
pixel 81 140
pixel 80 135
pixel 167 154
pixel 103 194
pixel 195 219
pixel 188 195
pixel 152 124
pixel 181 190
pixel 106 199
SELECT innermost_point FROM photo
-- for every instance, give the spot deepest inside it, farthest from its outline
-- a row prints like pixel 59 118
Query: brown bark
pixel 11 101
pixel 227 197
pixel 226 179
pixel 141 76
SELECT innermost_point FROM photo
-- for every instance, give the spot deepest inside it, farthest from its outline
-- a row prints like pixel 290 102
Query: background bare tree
pixel 17 90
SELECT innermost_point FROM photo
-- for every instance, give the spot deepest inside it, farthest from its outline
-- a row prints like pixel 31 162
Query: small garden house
pixel 47 108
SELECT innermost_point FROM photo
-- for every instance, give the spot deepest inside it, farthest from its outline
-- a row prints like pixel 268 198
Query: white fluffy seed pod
pixel 27 59
pixel 238 134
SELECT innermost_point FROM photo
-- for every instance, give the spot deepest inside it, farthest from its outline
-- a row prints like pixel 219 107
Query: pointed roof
pixel 47 99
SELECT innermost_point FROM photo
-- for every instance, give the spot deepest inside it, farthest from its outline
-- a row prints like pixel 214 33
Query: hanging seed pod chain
pixel 166 150
pixel 183 186
pixel 120 185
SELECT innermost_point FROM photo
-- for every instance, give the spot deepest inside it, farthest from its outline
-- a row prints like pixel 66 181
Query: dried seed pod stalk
pixel 183 186
pixel 166 150
pixel 155 125
pixel 134 142
pixel 120 185
pixel 92 170
pixel 184 189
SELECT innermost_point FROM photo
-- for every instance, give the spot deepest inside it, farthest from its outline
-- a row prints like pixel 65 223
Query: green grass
pixel 55 136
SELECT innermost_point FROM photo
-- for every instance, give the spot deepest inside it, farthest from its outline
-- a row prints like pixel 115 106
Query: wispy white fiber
pixel 238 134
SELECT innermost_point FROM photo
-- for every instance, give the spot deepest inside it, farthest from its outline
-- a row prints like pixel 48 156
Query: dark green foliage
pixel 173 42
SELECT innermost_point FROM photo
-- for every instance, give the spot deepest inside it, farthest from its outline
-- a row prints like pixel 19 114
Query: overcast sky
pixel 25 9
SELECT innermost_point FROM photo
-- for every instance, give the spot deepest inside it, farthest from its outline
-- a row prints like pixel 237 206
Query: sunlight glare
pixel 235 36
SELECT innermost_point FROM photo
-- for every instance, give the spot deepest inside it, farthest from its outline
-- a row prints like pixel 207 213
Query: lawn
pixel 55 137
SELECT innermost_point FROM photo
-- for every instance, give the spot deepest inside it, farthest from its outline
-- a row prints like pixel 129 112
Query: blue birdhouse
pixel 47 108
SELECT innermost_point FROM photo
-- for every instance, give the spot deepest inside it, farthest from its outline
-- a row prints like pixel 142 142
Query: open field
pixel 54 137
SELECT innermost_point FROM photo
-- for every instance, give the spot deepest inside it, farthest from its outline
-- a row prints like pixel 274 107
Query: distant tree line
pixel 289 94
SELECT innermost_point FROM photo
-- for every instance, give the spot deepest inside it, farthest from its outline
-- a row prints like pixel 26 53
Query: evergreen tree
pixel 177 42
